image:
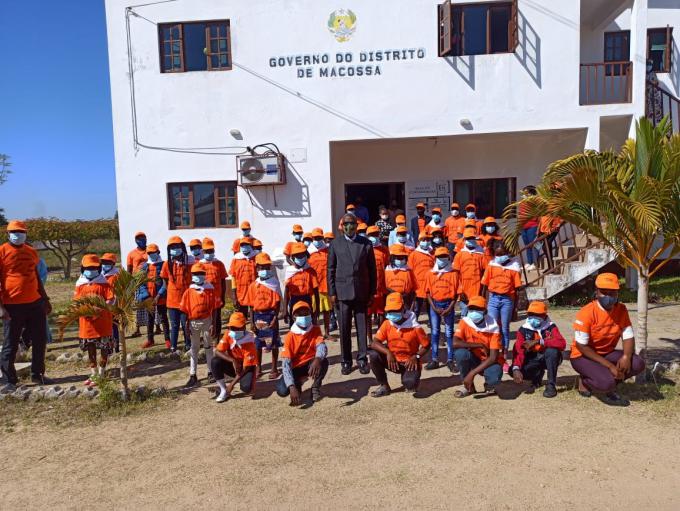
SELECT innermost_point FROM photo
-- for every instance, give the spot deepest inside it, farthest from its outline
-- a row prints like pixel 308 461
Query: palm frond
pixel 87 306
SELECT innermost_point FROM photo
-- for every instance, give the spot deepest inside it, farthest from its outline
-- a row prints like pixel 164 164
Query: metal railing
pixel 660 103
pixel 605 82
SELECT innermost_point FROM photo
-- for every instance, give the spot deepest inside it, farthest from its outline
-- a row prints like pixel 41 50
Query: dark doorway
pixel 374 195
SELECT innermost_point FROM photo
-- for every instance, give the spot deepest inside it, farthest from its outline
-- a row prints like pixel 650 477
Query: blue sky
pixel 55 110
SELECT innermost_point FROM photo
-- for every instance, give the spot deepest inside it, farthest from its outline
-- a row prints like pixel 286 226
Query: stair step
pixel 536 293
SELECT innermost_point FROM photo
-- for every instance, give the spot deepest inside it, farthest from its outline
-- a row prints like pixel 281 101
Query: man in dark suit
pixel 419 221
pixel 351 288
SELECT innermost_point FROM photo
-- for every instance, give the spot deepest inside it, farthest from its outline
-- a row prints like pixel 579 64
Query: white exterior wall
pixel 537 88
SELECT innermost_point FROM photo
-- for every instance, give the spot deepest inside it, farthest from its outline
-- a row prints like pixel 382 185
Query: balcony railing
pixel 661 103
pixel 606 82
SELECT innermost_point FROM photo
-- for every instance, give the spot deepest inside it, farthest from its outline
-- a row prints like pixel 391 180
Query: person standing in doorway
pixel 361 211
pixel 420 221
pixel 24 304
pixel 394 211
pixel 135 259
pixel 384 225
pixel 351 287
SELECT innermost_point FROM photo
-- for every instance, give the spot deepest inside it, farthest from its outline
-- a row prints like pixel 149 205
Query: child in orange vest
pixel 382 259
pixel 242 271
pixel 157 291
pixel 302 284
pixel 441 288
pixel 298 233
pixel 319 263
pixel 399 277
pixel 176 274
pixel 421 261
pixel 264 297
pixel 111 273
pixel 470 264
pixel 215 274
pixel 199 303
pixel 95 332
pixel 235 356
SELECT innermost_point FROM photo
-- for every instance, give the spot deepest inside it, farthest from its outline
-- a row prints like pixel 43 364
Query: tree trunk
pixel 67 268
pixel 642 306
pixel 123 362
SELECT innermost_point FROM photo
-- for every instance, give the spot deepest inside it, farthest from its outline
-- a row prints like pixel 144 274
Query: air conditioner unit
pixel 261 170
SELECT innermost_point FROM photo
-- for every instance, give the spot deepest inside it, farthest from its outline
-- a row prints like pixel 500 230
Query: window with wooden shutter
pixel 445 39
pixel 195 46
pixel 660 48
pixel 202 205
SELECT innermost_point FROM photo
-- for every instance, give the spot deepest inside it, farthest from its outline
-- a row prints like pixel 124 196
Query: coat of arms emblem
pixel 342 24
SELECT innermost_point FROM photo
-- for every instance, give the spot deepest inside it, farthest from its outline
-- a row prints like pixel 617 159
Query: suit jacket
pixel 415 230
pixel 351 269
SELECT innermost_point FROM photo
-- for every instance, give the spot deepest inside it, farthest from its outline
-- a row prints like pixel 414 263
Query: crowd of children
pixel 429 268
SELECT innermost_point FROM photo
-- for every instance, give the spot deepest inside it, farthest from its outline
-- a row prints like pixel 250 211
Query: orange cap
pixel 607 281
pixel 300 305
pixel 471 206
pixel 433 229
pixel 197 268
pixel 317 232
pixel 195 243
pixel 489 220
pixel 237 320
pixel 208 244
pixel 362 226
pixel 263 259
pixel 151 248
pixel 298 248
pixel 90 260
pixel 373 229
pixel 402 229
pixel 394 302
pixel 109 257
pixel 442 251
pixel 437 210
pixel 424 236
pixel 400 219
pixel 329 235
pixel 537 308
pixel 420 205
pixel 469 233
pixel 257 243
pixel 307 236
pixel 140 234
pixel 245 241
pixel 455 205
pixel 349 206
pixel 245 224
pixel 398 250
pixel 16 225
pixel 298 228
pixel 477 301
pixel 175 240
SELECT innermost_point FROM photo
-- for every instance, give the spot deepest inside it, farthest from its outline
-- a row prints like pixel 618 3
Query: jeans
pixel 177 319
pixel 536 363
pixel 435 320
pixel 529 235
pixel 220 367
pixel 597 377
pixel 467 361
pixel 300 374
pixel 160 313
pixel 409 379
pixel 463 309
pixel 500 309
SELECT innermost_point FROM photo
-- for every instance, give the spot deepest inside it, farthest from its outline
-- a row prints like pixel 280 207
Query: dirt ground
pixel 351 451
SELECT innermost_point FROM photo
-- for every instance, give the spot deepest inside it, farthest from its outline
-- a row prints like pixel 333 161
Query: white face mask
pixel 455 212
pixel 17 238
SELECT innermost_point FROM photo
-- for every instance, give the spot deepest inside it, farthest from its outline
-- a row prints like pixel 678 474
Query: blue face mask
pixel 502 259
pixel 264 274
pixel 374 241
pixel 90 274
pixel 236 334
pixel 196 252
pixel 608 302
pixel 303 321
pixel 399 263
pixel 534 322
pixel 442 262
pixel 209 256
pixel 297 236
pixel 175 252
pixel 300 261
pixel 246 233
pixel 470 243
pixel 319 244
pixel 437 218
pixel 424 245
pixel 490 229
pixel 245 249
pixel 401 239
pixel 476 316
pixel 470 214
pixel 198 279
pixel 154 257
pixel 17 238
pixel 394 316
pixel 307 242
pixel 107 267
pixel 141 242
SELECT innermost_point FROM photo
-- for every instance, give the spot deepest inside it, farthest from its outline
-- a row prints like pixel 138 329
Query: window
pixel 491 196
pixel 477 29
pixel 616 49
pixel 660 48
pixel 195 46
pixel 195 205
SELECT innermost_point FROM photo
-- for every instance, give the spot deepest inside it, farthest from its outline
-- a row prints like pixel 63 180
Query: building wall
pixel 536 88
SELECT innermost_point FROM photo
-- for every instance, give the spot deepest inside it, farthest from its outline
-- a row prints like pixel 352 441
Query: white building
pixel 357 98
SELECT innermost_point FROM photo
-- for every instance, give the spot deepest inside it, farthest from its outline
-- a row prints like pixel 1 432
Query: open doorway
pixel 374 195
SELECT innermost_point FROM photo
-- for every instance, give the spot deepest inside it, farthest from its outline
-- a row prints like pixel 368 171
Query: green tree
pixel 123 309
pixel 5 171
pixel 629 199
pixel 69 239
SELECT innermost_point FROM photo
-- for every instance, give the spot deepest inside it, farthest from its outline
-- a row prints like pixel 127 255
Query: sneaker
pixel 187 347
pixel 41 379
pixel 8 388
pixel 550 390
pixel 346 368
pixel 90 382
pixel 451 364
pixel 222 397
pixel 168 344
pixel 211 378
pixel 489 389
pixel 316 394
pixel 614 399
pixel 506 367
pixel 193 381
pixel 147 344
pixel 431 365
pixel 383 390
pixel 363 367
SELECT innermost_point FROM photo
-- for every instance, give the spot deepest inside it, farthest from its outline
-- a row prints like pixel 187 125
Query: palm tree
pixel 629 199
pixel 123 309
